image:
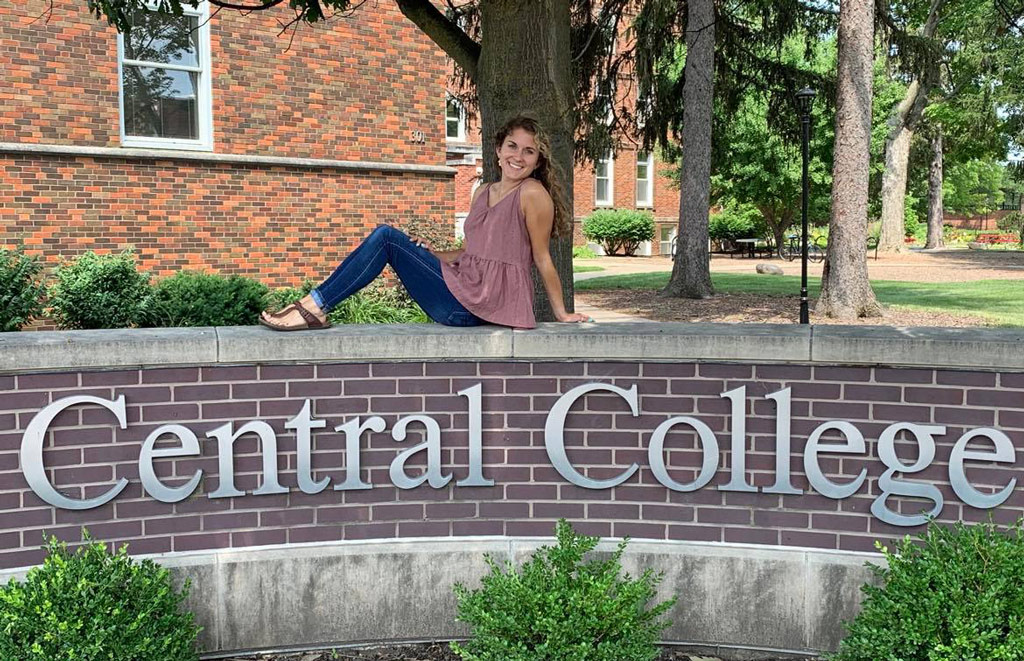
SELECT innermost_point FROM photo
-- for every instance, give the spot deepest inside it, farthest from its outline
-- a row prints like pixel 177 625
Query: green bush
pixel 619 229
pixel 193 298
pixel 733 222
pixel 379 304
pixel 1013 222
pixel 101 291
pixel 912 227
pixel 93 605
pixel 957 595
pixel 559 608
pixel 21 290
pixel 583 252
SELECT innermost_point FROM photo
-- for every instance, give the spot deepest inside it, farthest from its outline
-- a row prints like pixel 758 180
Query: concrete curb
pixel 986 349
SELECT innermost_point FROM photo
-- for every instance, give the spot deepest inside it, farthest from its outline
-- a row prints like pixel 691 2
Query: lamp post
pixel 804 102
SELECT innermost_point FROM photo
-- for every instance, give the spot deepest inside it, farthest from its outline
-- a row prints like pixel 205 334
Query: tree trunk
pixel 691 273
pixel 524 66
pixel 935 194
pixel 845 289
pixel 902 125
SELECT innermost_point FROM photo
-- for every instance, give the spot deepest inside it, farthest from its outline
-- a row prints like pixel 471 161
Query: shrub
pixel 1013 222
pixel 912 227
pixel 956 595
pixel 91 605
pixel 583 252
pixel 100 291
pixel 561 608
pixel 193 298
pixel 619 229
pixel 379 304
pixel 731 223
pixel 21 290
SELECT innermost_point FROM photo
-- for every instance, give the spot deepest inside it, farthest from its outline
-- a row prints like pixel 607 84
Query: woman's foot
pixel 303 315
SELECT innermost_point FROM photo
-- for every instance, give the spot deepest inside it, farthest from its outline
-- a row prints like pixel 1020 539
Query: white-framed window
pixel 645 179
pixel 454 120
pixel 164 82
pixel 667 245
pixel 604 181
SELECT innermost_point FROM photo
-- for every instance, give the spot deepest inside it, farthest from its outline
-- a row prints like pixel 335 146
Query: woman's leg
pixel 419 270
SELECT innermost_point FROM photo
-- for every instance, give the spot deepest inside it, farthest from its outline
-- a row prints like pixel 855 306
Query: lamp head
pixel 805 100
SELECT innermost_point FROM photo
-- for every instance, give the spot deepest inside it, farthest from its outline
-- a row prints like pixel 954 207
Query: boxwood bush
pixel 560 607
pixel 194 298
pixel 21 290
pixel 619 229
pixel 954 595
pixel 101 291
pixel 93 605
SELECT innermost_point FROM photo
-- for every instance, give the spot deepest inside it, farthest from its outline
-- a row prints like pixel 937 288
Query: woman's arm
pixel 540 216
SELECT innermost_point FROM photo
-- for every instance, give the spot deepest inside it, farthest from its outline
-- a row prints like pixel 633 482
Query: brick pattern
pixel 86 453
pixel 354 88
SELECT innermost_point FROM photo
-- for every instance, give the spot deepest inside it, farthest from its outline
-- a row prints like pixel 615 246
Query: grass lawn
pixel 1002 301
pixel 586 269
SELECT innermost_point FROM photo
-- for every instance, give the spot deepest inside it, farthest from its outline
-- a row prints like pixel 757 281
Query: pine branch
pixel 444 32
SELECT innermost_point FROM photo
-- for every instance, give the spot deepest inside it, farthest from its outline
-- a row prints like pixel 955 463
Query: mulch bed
pixel 423 652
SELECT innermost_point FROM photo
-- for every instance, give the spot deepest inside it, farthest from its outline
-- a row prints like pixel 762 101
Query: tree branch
pixel 444 32
pixel 259 7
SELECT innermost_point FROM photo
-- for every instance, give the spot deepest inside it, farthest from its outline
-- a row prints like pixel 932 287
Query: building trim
pixel 36 149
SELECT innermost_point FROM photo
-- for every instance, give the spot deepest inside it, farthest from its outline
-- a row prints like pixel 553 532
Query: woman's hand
pixel 422 243
pixel 574 317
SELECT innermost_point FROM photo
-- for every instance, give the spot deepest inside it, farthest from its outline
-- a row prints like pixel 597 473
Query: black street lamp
pixel 804 103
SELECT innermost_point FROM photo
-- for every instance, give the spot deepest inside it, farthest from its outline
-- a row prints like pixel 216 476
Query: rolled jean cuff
pixel 318 299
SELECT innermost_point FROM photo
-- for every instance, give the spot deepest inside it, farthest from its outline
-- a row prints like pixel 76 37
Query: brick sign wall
pixel 86 452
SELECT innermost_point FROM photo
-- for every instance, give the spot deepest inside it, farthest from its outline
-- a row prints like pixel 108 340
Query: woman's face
pixel 518 155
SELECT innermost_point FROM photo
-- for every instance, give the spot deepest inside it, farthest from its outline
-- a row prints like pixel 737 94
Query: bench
pixel 993 238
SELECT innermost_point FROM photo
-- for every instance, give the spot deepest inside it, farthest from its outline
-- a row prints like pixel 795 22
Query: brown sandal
pixel 312 322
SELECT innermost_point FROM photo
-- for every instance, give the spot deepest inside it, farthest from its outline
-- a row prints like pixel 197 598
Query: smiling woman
pixel 508 229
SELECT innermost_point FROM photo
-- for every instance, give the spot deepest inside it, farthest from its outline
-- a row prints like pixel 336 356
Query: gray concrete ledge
pixel 756 601
pixel 215 158
pixel 966 348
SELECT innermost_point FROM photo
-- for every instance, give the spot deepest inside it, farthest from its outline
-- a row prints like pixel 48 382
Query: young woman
pixel 509 227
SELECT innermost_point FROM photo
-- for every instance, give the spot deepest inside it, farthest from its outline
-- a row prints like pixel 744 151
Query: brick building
pixel 233 150
pixel 240 149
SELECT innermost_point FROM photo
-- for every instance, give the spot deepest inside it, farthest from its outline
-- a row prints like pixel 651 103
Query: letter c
pixel 554 435
pixel 32 452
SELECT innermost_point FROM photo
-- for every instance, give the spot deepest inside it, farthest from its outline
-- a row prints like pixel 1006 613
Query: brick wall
pixel 353 89
pixel 86 452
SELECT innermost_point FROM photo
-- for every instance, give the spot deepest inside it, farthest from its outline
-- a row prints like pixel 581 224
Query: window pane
pixel 159 103
pixel 602 190
pixel 601 169
pixel 453 128
pixel 666 233
pixel 163 39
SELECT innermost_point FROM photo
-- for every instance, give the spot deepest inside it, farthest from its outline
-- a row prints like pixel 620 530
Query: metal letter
pixel 225 459
pixel 554 439
pixel 783 406
pixel 656 453
pixel 302 423
pixel 854 445
pixel 1004 453
pixel 432 475
pixel 476 443
pixel 32 452
pixel 924 435
pixel 737 469
pixel 353 431
pixel 189 448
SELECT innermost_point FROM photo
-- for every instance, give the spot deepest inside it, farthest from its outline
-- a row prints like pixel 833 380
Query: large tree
pixel 845 289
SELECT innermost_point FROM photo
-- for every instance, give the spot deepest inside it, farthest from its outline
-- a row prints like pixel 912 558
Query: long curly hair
pixel 547 172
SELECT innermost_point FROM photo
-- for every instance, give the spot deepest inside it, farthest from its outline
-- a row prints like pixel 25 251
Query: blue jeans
pixel 417 268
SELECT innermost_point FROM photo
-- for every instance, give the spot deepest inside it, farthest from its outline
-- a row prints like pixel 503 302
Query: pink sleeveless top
pixel 492 277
